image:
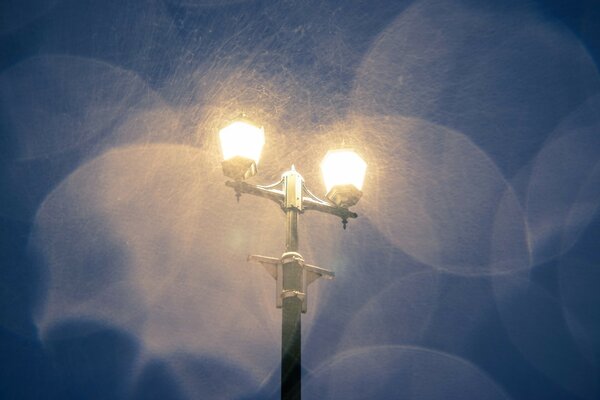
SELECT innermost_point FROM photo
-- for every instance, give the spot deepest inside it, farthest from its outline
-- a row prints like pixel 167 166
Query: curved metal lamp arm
pixel 271 186
pixel 268 192
pixel 312 202
pixel 275 193
pixel 312 196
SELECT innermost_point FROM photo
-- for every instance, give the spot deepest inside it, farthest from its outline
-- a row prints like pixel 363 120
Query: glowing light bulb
pixel 343 167
pixel 242 139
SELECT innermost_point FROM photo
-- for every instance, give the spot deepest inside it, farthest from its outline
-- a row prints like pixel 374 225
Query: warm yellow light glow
pixel 242 139
pixel 343 167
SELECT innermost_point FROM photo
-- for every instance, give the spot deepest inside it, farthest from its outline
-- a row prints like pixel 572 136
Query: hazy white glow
pixel 343 167
pixel 242 139
pixel 172 281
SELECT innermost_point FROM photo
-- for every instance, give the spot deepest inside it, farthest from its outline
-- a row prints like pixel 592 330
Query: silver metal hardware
pixel 274 267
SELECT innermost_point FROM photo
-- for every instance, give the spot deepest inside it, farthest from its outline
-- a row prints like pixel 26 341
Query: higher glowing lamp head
pixel 344 175
pixel 241 143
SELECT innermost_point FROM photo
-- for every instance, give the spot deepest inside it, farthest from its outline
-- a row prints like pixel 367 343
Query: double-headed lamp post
pixel 343 172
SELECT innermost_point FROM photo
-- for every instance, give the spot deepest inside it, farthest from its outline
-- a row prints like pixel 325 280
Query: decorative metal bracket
pixel 274 267
pixel 277 193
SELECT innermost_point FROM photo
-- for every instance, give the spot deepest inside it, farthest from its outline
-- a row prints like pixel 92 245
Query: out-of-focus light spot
pixel 441 199
pixel 527 309
pixel 465 78
pixel 58 103
pixel 563 189
pixel 373 372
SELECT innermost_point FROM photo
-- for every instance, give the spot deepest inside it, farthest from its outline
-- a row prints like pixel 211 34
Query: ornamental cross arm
pixel 310 273
pixel 278 193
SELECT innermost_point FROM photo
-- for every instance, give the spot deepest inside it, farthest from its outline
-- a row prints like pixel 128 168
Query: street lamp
pixel 343 172
pixel 241 143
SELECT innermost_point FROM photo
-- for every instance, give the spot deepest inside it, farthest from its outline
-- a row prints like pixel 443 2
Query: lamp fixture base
pixel 344 195
pixel 239 168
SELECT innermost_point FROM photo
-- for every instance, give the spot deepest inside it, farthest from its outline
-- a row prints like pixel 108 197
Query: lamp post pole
pixel 291 325
pixel 291 273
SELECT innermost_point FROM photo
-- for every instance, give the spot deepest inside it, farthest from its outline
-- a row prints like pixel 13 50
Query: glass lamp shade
pixel 242 139
pixel 344 175
pixel 241 144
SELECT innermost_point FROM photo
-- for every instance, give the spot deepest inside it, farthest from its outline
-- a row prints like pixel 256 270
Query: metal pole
pixel 291 240
pixel 291 325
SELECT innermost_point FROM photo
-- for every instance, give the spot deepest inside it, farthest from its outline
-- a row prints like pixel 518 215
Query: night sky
pixel 472 271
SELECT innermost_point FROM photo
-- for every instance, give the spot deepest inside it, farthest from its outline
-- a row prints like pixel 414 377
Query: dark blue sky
pixel 471 272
